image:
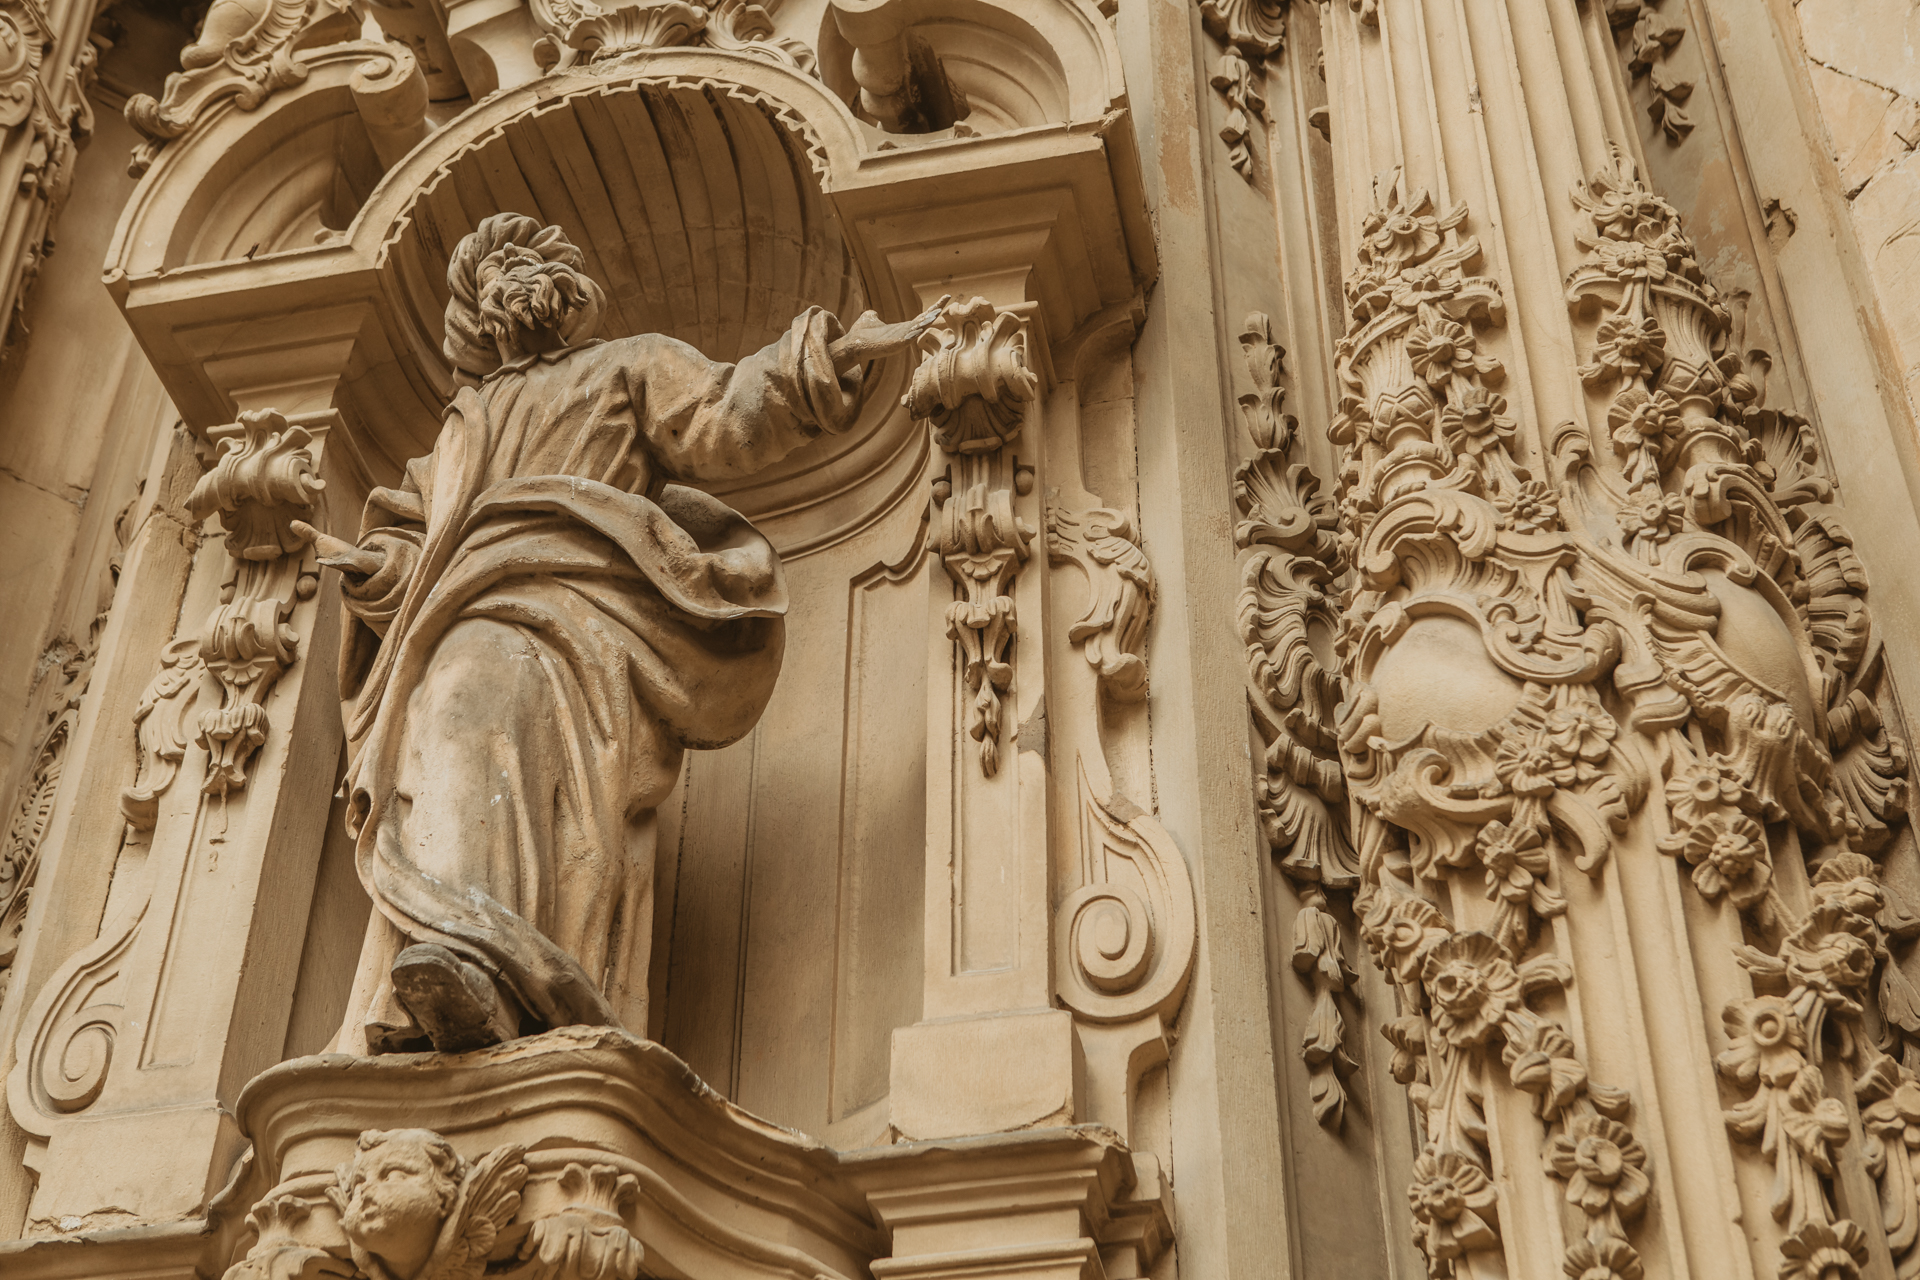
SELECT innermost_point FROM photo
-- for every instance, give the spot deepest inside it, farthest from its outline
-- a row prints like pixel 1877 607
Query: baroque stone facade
pixel 959 638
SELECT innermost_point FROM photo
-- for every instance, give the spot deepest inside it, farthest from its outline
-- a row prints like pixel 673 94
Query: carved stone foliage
pixel 410 1208
pixel 1250 31
pixel 581 30
pixel 247 51
pixel 1287 620
pixel 264 479
pixel 1651 39
pixel 1112 631
pixel 1473 737
pixel 972 386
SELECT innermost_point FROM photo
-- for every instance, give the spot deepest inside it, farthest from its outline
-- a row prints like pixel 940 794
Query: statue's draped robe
pixel 555 623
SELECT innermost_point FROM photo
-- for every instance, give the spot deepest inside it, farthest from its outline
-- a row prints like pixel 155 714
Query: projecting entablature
pixel 717 191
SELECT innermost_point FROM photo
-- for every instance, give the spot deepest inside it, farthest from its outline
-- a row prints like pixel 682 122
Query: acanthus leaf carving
pixel 1112 631
pixel 972 386
pixel 264 480
pixel 582 30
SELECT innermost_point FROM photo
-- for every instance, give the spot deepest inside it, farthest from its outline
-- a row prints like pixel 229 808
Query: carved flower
pixel 1582 731
pixel 1473 986
pixel 1824 1251
pixel 1421 284
pixel 1452 1201
pixel 1531 508
pixel 1531 763
pixel 1650 517
pixel 1631 213
pixel 1439 348
pixel 1639 420
pixel 1401 235
pixel 1513 857
pixel 1631 345
pixel 1476 421
pixel 1766 1042
pixel 1829 956
pixel 1609 1260
pixel 1701 790
pixel 1729 853
pixel 1850 882
pixel 1897 1116
pixel 1401 930
pixel 1632 260
pixel 1604 1165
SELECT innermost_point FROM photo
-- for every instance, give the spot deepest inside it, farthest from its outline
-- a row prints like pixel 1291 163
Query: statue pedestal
pixel 598 1132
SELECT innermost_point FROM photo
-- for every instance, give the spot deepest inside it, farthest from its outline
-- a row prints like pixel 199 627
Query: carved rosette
pixel 972 387
pixel 265 478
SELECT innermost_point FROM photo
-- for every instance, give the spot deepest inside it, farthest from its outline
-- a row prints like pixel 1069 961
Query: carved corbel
pixel 265 478
pixel 972 386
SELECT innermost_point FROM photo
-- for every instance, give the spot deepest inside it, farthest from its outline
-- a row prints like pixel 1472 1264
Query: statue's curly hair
pixel 509 276
pixel 440 1153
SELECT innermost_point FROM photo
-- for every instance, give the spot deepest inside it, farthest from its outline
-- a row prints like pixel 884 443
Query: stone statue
pixel 542 620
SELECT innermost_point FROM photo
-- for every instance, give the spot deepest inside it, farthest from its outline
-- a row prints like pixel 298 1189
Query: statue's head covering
pixel 509 276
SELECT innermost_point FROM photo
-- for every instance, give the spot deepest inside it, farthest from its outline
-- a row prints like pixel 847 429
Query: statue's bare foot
pixel 454 1002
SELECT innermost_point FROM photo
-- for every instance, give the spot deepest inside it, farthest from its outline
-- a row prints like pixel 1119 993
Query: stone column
pixel 1611 723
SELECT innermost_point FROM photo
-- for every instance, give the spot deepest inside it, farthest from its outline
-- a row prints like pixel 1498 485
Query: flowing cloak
pixel 554 624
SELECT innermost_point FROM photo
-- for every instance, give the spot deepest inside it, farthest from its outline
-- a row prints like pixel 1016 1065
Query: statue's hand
pixel 869 337
pixel 344 556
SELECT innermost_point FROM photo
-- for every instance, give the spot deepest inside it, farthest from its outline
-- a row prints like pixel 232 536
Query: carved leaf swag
pixel 1651 39
pixel 483 1230
pixel 581 30
pixel 972 386
pixel 1250 31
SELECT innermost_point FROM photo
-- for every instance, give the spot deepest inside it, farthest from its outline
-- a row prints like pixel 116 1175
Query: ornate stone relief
pixel 1112 631
pixel 1287 621
pixel 52 105
pixel 972 386
pixel 581 30
pixel 247 52
pixel 1651 43
pixel 1250 31
pixel 1461 559
pixel 264 479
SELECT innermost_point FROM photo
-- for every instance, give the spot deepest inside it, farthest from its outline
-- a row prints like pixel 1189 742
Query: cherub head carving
pixel 518 289
pixel 396 1195
pixel 412 1209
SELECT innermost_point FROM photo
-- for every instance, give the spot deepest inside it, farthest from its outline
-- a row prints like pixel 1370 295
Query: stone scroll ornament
pixel 972 387
pixel 1664 627
pixel 408 1207
pixel 1490 783
pixel 1752 665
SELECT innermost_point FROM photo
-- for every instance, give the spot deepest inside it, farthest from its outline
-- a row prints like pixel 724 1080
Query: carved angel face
pixel 399 1190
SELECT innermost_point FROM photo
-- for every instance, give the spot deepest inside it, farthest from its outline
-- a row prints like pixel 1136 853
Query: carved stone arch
pixel 1019 65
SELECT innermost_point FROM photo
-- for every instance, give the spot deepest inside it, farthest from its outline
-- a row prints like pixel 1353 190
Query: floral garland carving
pixel 1250 32
pixel 1651 41
pixel 1454 537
